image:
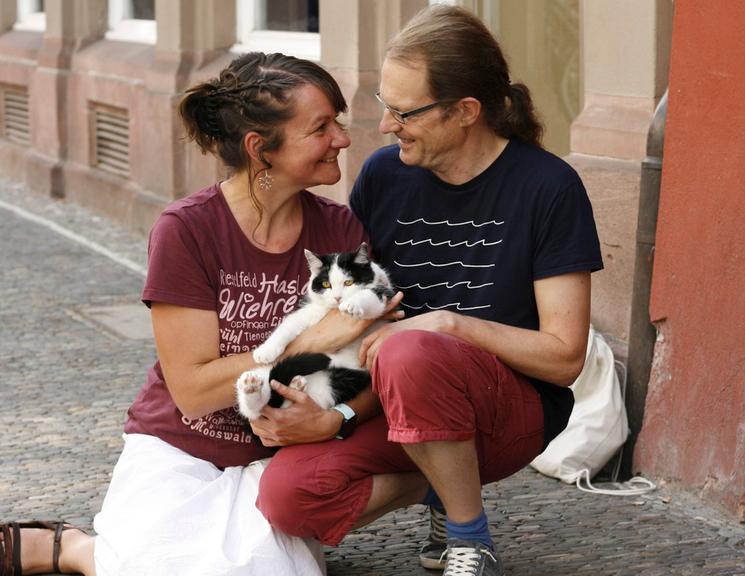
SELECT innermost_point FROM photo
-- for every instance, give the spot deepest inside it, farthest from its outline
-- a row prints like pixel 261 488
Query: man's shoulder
pixel 384 170
pixel 542 164
pixel 384 161
pixel 386 154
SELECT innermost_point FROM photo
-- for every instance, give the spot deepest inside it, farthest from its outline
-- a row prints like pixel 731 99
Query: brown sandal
pixel 10 547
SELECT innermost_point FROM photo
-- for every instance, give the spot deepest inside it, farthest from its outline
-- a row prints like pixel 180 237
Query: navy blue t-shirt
pixel 476 248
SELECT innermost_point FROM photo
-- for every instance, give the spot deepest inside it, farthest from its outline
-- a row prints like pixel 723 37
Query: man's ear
pixel 253 142
pixel 469 109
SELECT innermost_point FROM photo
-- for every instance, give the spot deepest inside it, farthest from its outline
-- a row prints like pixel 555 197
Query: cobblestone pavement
pixel 67 380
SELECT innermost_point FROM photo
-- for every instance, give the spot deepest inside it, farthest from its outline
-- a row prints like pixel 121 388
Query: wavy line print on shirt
pixel 456 304
pixel 448 285
pixel 458 263
pixel 448 223
pixel 449 243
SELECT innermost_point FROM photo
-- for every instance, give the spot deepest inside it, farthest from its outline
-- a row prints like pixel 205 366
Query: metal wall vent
pixel 15 115
pixel 111 136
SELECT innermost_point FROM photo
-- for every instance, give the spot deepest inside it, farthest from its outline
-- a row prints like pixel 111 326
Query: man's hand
pixel 336 330
pixel 302 422
pixel 438 321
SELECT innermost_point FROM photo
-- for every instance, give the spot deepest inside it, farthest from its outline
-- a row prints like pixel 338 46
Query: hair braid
pixel 253 94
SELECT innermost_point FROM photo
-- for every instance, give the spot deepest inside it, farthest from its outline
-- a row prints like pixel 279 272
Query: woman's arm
pixel 554 353
pixel 337 330
pixel 188 345
pixel 201 382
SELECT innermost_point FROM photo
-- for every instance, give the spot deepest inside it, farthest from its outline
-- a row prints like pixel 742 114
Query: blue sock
pixel 477 530
pixel 433 500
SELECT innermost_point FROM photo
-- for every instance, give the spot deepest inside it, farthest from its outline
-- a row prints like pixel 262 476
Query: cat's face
pixel 336 277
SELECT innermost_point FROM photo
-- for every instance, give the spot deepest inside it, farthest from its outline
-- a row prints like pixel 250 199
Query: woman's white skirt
pixel 167 512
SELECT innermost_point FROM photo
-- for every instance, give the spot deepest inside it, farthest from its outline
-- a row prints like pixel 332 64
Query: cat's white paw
pixel 253 393
pixel 298 383
pixel 363 304
pixel 352 308
pixel 267 353
pixel 249 383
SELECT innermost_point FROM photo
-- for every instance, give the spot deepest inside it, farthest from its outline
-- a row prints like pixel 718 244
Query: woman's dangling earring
pixel 265 181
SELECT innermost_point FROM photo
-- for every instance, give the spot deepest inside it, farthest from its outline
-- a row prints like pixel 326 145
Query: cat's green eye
pixel 348 282
pixel 326 284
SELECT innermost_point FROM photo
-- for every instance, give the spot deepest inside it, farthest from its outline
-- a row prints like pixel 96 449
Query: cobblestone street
pixel 73 353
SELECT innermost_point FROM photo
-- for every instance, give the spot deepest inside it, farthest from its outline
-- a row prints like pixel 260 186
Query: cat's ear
pixel 314 262
pixel 361 256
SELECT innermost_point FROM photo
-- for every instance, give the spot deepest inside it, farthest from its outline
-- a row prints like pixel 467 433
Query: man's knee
pixel 294 492
pixel 278 495
pixel 410 361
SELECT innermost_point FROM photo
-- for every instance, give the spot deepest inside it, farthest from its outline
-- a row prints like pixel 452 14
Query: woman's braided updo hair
pixel 253 94
pixel 464 59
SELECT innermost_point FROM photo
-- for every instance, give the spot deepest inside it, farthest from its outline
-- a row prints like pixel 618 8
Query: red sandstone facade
pixel 694 424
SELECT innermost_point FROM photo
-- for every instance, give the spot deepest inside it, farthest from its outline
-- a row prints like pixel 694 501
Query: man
pixel 492 241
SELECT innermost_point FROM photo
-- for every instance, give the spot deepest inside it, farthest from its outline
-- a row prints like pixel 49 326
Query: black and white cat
pixel 355 285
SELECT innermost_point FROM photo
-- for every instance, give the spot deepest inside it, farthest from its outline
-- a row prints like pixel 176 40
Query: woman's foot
pixel 37 547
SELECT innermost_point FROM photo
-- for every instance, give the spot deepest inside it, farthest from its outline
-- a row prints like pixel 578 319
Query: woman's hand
pixel 336 330
pixel 305 421
pixel 302 422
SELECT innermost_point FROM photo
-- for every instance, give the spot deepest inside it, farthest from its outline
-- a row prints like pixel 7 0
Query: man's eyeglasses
pixel 401 117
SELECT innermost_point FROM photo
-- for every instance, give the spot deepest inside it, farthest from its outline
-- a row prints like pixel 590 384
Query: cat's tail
pixel 298 365
pixel 344 383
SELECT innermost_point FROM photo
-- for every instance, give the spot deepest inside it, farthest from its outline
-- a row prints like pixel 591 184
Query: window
pixel 290 15
pixel 14 111
pixel 111 139
pixel 132 21
pixel 288 26
pixel 30 15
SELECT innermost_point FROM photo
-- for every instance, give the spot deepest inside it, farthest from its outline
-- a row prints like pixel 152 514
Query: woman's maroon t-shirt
pixel 199 257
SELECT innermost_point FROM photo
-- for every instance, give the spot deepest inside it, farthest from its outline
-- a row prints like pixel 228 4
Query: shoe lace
pixel 437 530
pixel 464 561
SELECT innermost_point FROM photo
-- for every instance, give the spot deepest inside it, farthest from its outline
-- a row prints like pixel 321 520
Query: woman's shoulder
pixel 326 207
pixel 192 212
pixel 198 202
pixel 329 219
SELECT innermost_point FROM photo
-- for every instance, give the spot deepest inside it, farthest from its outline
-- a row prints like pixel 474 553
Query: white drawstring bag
pixel 598 426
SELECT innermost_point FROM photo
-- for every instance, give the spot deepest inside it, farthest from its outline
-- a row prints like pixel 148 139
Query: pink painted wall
pixel 694 423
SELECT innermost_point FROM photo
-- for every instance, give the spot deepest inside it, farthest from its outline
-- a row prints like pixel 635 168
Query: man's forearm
pixel 531 352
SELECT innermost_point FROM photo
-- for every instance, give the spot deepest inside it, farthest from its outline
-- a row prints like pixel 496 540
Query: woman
pixel 225 264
